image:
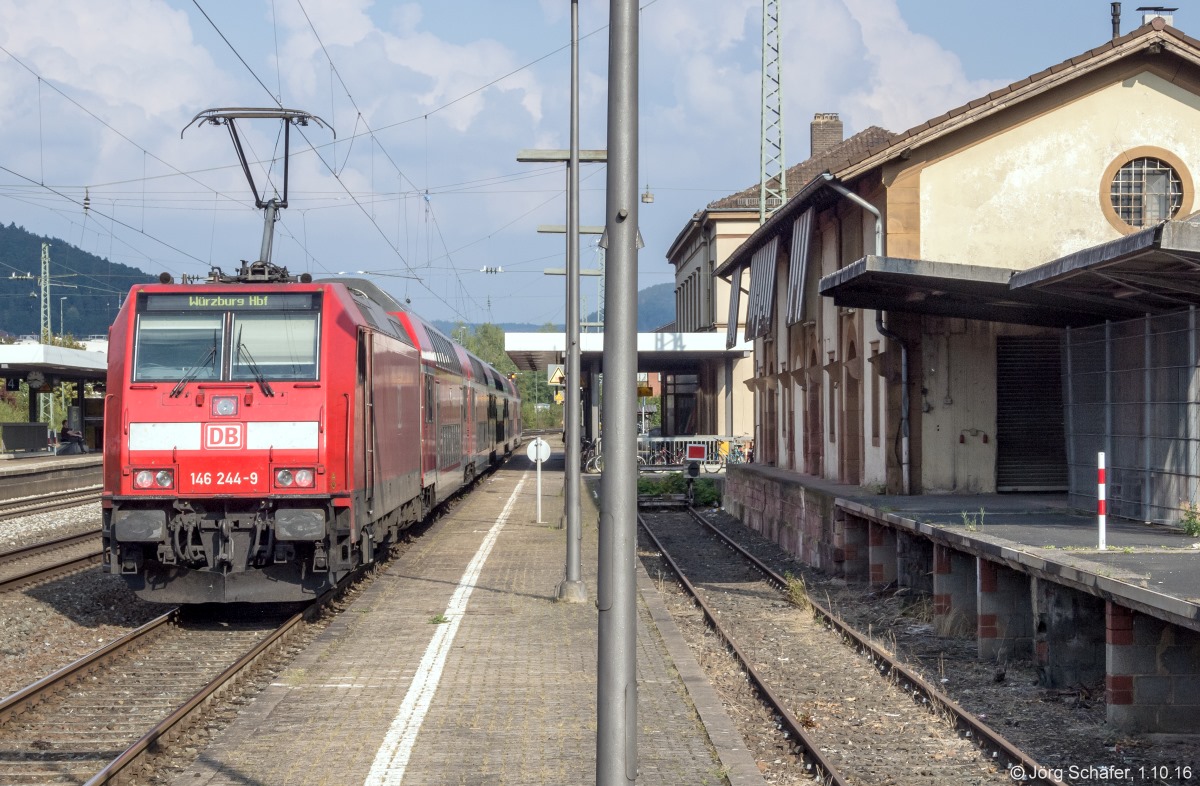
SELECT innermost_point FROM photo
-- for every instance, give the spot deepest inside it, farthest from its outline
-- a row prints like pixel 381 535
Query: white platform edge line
pixel 392 758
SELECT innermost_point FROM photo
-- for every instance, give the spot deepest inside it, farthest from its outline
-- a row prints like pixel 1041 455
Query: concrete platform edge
pixel 1037 562
pixel 737 763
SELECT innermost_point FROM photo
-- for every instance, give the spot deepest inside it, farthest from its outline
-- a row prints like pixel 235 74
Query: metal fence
pixel 719 450
pixel 1131 390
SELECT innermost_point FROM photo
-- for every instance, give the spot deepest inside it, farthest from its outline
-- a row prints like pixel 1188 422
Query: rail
pixel 44 503
pixel 61 567
pixel 889 667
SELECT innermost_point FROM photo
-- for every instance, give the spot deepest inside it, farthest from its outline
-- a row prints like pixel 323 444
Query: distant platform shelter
pixel 43 367
pixel 703 390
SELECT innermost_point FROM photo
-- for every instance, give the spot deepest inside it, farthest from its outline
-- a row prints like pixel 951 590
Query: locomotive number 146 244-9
pixel 222 478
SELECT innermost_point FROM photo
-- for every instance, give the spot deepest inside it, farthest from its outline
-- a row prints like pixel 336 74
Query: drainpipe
pixel 905 470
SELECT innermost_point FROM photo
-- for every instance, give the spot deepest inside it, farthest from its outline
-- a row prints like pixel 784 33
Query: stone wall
pixel 774 504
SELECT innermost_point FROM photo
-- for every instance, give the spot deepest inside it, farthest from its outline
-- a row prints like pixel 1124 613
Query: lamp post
pixel 571 588
pixel 62 330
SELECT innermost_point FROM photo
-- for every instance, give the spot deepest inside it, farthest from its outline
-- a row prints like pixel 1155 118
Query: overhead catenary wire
pixel 367 205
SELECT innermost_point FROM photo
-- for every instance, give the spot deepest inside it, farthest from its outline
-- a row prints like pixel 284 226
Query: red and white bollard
pixel 1101 501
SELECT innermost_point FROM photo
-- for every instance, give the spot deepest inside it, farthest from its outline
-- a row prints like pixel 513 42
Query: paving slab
pixel 441 675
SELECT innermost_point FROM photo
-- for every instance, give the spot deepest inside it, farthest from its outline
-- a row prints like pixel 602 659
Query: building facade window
pixel 1146 191
pixel 1143 187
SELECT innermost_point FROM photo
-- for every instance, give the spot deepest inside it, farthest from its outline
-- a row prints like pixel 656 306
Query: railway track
pixel 44 503
pixel 48 560
pixel 847 744
pixel 95 720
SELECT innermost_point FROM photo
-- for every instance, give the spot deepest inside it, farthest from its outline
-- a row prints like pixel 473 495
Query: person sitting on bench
pixel 67 436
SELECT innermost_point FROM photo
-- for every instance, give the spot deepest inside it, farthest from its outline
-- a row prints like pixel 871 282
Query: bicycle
pixel 663 455
pixel 740 453
pixel 717 462
pixel 593 459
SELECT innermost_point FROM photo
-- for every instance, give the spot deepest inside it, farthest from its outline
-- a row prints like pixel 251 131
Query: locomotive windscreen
pixel 227 337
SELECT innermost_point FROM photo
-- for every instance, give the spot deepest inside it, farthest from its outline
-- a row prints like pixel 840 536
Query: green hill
pixel 93 287
pixel 656 307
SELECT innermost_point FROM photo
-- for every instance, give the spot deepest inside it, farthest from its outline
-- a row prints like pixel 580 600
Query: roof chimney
pixel 1158 10
pixel 1116 20
pixel 825 132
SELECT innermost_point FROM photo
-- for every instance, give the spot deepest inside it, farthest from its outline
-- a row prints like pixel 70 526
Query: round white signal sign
pixel 538 450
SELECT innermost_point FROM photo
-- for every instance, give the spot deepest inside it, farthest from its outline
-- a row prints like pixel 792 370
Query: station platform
pixel 1150 566
pixel 44 473
pixel 25 461
pixel 458 666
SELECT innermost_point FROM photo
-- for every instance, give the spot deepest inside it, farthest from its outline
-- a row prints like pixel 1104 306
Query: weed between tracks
pixel 797 592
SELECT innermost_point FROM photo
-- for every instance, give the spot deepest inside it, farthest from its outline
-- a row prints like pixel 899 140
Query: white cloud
pixel 118 52
pixel 146 67
pixel 911 77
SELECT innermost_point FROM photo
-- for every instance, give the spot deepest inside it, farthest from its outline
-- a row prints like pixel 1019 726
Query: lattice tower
pixel 44 281
pixel 772 162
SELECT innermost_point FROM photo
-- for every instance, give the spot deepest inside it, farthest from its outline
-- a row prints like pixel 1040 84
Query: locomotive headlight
pixel 224 406
pixel 149 478
pixel 300 478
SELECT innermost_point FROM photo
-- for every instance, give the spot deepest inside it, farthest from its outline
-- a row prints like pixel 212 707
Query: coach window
pixel 170 346
pixel 281 346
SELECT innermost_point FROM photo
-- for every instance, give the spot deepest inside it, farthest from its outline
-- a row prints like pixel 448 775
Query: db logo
pixel 224 436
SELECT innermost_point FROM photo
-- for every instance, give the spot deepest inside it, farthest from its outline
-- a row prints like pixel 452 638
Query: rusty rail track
pixel 59 500
pixel 67 723
pixel 48 572
pixel 919 689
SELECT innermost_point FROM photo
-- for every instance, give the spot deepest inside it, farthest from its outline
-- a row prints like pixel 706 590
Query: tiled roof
pixel 840 155
pixel 1155 29
pixel 1154 35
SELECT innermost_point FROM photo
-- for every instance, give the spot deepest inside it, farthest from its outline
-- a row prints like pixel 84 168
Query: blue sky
pixel 431 102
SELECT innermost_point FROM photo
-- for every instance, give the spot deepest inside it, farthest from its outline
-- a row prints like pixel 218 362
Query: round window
pixel 1146 191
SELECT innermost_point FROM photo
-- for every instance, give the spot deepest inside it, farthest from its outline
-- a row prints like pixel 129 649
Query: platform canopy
pixel 678 352
pixel 18 360
pixel 1154 271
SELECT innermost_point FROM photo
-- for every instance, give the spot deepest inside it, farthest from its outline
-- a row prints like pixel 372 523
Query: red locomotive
pixel 268 434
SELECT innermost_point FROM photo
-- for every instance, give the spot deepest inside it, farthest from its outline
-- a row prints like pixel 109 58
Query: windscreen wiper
pixel 191 373
pixel 259 377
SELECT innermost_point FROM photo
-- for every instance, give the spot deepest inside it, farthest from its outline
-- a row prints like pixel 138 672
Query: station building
pixel 983 302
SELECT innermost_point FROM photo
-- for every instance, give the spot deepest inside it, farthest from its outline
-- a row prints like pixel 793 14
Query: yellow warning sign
pixel 558 397
pixel 645 390
pixel 555 375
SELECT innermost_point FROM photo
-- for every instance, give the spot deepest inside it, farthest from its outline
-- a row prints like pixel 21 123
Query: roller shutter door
pixel 1031 452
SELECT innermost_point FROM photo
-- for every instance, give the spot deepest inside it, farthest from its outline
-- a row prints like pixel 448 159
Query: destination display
pixel 212 301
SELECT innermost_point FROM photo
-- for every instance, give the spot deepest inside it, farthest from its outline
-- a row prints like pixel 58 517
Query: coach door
pixel 493 425
pixel 366 377
pixel 429 427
